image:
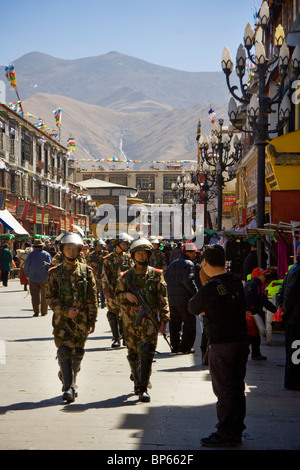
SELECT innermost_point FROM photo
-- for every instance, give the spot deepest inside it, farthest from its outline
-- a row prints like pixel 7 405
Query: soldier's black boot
pixel 64 355
pixel 76 362
pixel 114 326
pixel 135 368
pixel 147 355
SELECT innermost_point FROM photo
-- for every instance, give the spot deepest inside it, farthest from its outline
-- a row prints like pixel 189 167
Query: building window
pixel 46 160
pixel 168 198
pixel 147 197
pixel 26 148
pixel 168 180
pixel 39 152
pixel 12 183
pixel 145 182
pixel 118 179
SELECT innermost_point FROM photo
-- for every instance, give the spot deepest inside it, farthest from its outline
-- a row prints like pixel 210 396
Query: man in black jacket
pixel 180 279
pixel 221 301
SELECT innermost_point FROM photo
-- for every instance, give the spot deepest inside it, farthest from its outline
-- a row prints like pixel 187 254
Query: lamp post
pixel 221 153
pixel 260 105
pixel 208 190
pixel 184 191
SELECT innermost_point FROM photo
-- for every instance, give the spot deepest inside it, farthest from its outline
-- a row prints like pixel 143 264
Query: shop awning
pixel 11 223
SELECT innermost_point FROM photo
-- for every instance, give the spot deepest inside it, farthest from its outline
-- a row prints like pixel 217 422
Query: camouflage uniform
pixel 141 340
pixel 158 260
pixel 95 260
pixel 71 287
pixel 113 265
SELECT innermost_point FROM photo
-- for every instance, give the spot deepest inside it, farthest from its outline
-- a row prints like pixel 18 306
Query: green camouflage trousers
pixel 136 336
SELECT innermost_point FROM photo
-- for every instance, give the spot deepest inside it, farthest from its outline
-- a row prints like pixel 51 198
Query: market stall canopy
pixel 11 223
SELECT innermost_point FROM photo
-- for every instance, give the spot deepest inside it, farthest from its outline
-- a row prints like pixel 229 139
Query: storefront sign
pixel 39 215
pixel 12 204
pixel 2 199
pixel 31 213
pixel 228 200
pixel 252 181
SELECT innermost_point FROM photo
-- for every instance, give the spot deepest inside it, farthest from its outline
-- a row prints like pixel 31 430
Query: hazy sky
pixel 187 35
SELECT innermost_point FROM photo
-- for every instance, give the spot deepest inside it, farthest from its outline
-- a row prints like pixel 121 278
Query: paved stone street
pixel 106 414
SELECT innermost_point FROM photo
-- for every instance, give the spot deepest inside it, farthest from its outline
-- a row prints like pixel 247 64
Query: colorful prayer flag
pixel 57 116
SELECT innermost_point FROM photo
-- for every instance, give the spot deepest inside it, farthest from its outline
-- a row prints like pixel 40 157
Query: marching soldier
pixel 113 264
pixel 141 328
pixel 95 260
pixel 59 257
pixel 71 294
pixel 158 258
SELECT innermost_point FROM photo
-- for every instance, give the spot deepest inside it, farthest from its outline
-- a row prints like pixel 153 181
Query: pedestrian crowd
pixel 150 288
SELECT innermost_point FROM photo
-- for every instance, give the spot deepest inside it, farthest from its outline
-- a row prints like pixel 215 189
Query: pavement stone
pixel 107 416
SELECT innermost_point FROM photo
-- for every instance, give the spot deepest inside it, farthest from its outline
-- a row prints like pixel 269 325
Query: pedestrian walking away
pixel 22 255
pixel 221 302
pixel 113 265
pixel 36 269
pixel 5 263
pixel 181 286
pixel 140 327
pixel 72 296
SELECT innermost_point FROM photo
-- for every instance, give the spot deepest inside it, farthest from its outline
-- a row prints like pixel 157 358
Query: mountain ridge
pixel 116 106
pixel 91 79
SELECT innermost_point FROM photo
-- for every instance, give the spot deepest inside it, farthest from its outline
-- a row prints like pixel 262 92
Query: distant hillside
pixel 104 133
pixel 95 80
pixel 118 106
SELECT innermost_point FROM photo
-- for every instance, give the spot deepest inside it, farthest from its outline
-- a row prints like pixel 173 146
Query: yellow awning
pixel 283 162
pixel 287 143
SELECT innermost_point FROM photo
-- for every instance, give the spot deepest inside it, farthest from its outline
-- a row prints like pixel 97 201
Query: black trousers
pixel 181 321
pixel 4 277
pixel 255 342
pixel 227 364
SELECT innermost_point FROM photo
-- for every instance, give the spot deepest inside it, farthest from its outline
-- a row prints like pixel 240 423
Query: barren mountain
pixel 102 133
pixel 118 106
pixel 94 79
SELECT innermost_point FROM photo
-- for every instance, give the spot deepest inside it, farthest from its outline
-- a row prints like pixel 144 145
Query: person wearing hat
pixel 72 296
pixel 113 265
pixel 140 328
pixel 256 301
pixel 95 260
pixel 181 285
pixel 36 270
pixel 158 258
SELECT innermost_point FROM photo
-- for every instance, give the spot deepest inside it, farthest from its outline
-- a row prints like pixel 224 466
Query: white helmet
pixel 141 244
pixel 123 237
pixel 70 237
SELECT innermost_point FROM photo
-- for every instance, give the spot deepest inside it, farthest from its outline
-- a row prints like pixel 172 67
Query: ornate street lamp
pixel 221 153
pixel 208 188
pixel 184 192
pixel 260 105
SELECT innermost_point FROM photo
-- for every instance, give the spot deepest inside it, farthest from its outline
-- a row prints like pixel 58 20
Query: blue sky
pixel 186 35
